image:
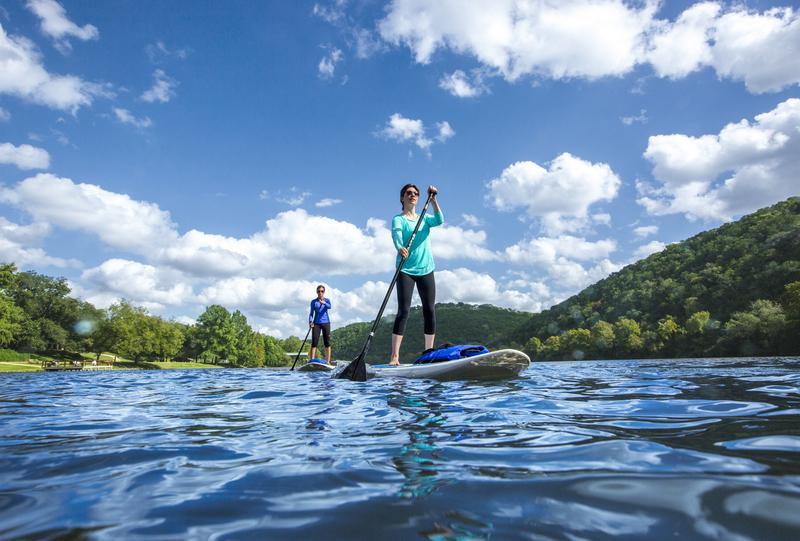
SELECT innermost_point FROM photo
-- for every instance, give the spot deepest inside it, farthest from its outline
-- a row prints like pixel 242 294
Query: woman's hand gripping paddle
pixel 357 369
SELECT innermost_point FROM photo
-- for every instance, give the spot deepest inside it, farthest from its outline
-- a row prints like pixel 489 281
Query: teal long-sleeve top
pixel 420 257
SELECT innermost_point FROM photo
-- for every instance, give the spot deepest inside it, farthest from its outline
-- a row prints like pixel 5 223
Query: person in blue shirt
pixel 418 267
pixel 319 321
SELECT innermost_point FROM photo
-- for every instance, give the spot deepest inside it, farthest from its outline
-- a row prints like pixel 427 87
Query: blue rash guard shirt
pixel 420 257
pixel 319 311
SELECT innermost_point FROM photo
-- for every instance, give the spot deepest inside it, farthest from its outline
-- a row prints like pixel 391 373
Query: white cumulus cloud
pixel 560 195
pixel 452 242
pixel 327 65
pixel 24 156
pixel 651 247
pixel 645 230
pixel 126 117
pixel 599 38
pixel 54 23
pixel 461 85
pixel 19 243
pixel 679 48
pixel 22 75
pixel 401 129
pixel 468 286
pixel 746 166
pixel 574 38
pixel 150 286
pixel 571 262
pixel 118 220
pixel 163 88
pixel 327 202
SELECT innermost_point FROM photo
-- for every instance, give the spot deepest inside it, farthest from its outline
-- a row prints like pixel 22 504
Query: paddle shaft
pixel 394 280
pixel 301 348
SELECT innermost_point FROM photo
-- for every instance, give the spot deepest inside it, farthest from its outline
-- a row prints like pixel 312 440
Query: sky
pixel 189 153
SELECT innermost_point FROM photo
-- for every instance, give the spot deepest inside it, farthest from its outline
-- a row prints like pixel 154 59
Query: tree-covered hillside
pixel 456 323
pixel 733 285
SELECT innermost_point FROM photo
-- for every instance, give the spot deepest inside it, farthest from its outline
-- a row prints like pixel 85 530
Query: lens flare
pixel 85 326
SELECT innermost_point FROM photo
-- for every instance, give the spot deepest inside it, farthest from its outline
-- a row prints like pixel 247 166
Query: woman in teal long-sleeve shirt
pixel 418 267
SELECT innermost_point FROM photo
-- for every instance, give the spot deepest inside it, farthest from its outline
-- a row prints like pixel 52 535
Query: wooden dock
pixel 72 366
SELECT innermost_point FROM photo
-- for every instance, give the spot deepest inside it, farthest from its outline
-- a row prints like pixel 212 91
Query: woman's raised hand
pixel 432 190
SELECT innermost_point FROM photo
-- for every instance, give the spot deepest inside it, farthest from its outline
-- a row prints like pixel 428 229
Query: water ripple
pixel 589 450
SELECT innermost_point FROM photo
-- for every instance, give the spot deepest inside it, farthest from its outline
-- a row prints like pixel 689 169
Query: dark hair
pixel 321 287
pixel 406 187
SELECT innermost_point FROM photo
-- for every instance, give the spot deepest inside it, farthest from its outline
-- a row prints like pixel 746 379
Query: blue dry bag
pixel 449 352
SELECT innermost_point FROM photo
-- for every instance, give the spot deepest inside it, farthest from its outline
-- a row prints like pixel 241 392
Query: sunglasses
pixel 320 291
pixel 412 194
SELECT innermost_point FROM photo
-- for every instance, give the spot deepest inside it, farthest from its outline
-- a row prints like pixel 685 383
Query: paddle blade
pixel 355 371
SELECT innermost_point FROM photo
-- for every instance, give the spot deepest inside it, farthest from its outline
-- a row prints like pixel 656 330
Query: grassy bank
pixel 35 364
pixel 19 367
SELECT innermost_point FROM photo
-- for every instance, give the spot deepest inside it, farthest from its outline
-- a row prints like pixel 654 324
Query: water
pixel 698 449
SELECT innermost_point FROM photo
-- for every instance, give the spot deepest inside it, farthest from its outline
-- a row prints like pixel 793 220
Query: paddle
pixel 301 348
pixel 357 369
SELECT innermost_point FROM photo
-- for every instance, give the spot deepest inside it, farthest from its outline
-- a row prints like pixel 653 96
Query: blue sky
pixel 181 154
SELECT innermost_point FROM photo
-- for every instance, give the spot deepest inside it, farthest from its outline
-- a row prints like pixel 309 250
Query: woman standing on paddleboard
pixel 418 266
pixel 319 321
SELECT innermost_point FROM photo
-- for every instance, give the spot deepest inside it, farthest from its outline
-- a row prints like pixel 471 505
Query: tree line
pixel 765 328
pixel 38 315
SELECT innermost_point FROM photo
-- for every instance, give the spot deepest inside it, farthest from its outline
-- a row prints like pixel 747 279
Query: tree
pixel 791 305
pixel 667 334
pixel 791 300
pixel 551 349
pixel 169 338
pixel 757 331
pixel 274 355
pixel 701 334
pixel 215 334
pixel 532 347
pixel 104 338
pixel 603 338
pixel 11 319
pixel 627 337
pixel 698 322
pixel 243 350
pixel 576 343
pixel 292 344
pixel 50 314
pixel 7 276
pixel 129 333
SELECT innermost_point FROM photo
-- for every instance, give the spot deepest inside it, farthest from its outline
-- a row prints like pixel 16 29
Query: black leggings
pixel 426 287
pixel 326 334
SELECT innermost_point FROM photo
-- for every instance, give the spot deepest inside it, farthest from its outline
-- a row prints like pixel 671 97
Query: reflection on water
pixel 698 449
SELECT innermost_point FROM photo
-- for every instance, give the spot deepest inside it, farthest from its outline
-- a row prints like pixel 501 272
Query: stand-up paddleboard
pixel 316 365
pixel 501 364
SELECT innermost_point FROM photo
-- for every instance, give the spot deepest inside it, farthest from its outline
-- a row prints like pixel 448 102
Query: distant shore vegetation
pixel 39 321
pixel 730 291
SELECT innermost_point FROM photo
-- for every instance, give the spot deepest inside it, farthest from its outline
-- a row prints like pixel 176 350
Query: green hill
pixel 456 323
pixel 723 291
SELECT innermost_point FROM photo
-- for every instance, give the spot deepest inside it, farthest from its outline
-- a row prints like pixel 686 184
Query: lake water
pixel 686 449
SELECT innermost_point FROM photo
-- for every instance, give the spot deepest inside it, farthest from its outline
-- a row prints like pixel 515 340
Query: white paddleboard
pixel 316 365
pixel 501 364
